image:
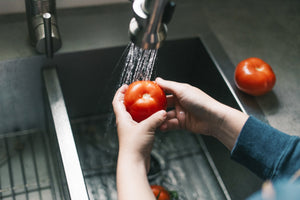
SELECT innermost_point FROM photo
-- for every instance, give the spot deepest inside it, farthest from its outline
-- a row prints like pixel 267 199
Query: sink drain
pixel 157 164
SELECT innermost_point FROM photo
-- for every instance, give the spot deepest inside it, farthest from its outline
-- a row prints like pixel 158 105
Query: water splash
pixel 139 64
pixel 136 64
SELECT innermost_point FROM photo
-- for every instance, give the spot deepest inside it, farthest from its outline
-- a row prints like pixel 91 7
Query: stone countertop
pixel 268 30
pixel 265 29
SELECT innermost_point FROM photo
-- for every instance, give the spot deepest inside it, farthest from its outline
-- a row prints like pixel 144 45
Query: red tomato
pixel 160 192
pixel 254 76
pixel 143 98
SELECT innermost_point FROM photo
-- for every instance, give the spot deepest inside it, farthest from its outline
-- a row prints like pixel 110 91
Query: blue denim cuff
pixel 262 148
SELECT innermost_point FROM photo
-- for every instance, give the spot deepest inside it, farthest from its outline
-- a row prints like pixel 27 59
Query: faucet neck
pixel 156 9
pixel 148 29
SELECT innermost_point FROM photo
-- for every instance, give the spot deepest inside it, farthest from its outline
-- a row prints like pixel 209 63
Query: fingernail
pixel 163 113
pixel 158 79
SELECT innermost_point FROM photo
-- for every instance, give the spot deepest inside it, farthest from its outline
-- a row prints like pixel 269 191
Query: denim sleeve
pixel 266 151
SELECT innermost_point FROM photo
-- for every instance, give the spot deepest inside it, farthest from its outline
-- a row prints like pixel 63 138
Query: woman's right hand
pixel 191 108
pixel 194 110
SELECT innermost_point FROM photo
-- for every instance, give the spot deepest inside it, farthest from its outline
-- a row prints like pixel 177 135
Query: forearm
pixel 232 122
pixel 132 182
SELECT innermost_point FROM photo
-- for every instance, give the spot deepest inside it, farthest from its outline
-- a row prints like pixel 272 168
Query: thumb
pixel 169 86
pixel 155 120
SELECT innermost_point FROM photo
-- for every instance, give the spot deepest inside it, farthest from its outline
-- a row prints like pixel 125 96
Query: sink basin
pixel 89 80
pixel 74 111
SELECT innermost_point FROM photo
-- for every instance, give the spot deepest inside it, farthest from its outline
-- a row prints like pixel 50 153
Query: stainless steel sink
pixel 74 101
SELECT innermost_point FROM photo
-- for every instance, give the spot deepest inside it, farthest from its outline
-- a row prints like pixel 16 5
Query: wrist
pixel 231 122
pixel 128 164
pixel 129 158
pixel 217 114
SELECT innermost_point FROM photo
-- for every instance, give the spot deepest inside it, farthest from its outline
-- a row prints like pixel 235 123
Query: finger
pixel 175 119
pixel 171 114
pixel 172 124
pixel 268 191
pixel 170 101
pixel 169 86
pixel 118 102
pixel 155 120
pixel 119 95
pixel 180 115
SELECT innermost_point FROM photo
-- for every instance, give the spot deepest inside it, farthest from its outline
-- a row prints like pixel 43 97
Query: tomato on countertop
pixel 144 98
pixel 254 76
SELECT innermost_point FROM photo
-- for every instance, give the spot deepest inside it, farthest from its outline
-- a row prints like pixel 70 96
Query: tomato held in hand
pixel 254 76
pixel 144 98
pixel 160 192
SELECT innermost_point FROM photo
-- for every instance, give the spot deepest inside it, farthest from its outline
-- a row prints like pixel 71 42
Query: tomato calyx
pixel 174 195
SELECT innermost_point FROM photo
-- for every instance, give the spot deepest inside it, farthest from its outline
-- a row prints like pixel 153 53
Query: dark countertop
pixel 269 30
pixel 242 29
pixel 231 30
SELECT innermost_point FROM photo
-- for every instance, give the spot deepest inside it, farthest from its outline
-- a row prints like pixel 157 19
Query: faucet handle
pixel 38 35
pixel 48 35
pixel 34 11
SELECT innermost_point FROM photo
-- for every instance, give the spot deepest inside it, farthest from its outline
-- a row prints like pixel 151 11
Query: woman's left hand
pixel 135 139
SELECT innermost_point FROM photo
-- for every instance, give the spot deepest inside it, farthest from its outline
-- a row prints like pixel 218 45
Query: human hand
pixel 194 110
pixel 135 139
pixel 135 145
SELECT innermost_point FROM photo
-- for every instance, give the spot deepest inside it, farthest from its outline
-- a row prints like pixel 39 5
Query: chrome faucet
pixel 148 27
pixel 35 9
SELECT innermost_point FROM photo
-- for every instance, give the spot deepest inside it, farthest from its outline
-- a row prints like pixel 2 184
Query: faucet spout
pixel 148 27
pixel 34 11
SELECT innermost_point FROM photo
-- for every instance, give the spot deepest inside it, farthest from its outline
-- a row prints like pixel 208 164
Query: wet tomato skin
pixel 144 98
pixel 254 76
pixel 160 192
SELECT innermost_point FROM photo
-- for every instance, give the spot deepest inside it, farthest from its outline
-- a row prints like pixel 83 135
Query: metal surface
pixel 25 167
pixel 22 93
pixel 70 161
pixel 185 165
pixel 84 98
pixel 147 28
pixel 48 36
pixel 35 9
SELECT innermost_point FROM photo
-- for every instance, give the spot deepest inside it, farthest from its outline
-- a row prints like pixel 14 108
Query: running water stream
pixel 139 64
pixel 136 64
